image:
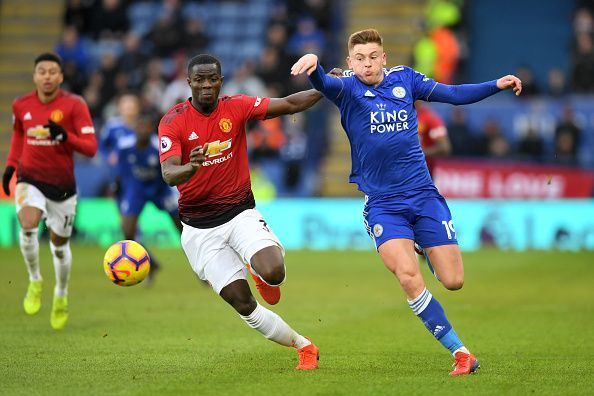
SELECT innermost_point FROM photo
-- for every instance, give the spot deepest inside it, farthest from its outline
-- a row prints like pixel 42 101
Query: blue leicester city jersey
pixel 114 130
pixel 381 124
pixel 140 168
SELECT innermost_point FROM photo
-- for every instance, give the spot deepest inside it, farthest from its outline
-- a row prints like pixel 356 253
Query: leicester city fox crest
pixel 378 230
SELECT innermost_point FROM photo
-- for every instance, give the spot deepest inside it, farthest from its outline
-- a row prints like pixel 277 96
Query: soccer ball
pixel 126 263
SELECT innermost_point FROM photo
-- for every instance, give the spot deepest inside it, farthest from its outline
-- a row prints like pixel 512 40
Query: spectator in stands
pixel 565 148
pixel 425 56
pixel 463 141
pixel 167 35
pixel 529 85
pixel 78 13
pixel 531 146
pixel 556 83
pixel 583 22
pixel 492 143
pixel 195 40
pixel 583 64
pixel 153 86
pixel 133 60
pixel 271 72
pixel 177 90
pixel 448 53
pixel 244 81
pixel 567 137
pixel 109 20
pixel 108 71
pixel 440 13
pixel 73 50
pixel 307 38
pixel 297 181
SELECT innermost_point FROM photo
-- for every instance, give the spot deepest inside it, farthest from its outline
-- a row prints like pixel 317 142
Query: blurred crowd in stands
pixel 114 48
pixel 117 48
pixel 441 53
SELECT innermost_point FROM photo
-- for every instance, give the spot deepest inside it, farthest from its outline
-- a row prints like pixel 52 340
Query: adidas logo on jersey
pixel 27 116
pixel 369 94
pixel 193 136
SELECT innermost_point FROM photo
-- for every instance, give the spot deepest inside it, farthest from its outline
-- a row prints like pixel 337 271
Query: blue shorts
pixel 420 215
pixel 132 201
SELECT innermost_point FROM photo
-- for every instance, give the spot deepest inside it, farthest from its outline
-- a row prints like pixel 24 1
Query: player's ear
pixel 348 59
pixel 188 80
pixel 384 58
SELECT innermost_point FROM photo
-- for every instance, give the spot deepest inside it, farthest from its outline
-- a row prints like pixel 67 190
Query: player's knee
pixel 408 282
pixel 453 282
pixel 244 306
pixel 273 275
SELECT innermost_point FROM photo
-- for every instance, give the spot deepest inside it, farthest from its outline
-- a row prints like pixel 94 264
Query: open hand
pixel 198 156
pixel 510 81
pixel 307 63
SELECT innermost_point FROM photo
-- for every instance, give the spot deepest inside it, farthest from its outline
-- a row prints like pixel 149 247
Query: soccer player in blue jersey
pixel 139 172
pixel 118 127
pixel 402 204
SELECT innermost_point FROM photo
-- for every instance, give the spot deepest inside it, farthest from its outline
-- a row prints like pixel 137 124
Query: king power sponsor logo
pixel 388 121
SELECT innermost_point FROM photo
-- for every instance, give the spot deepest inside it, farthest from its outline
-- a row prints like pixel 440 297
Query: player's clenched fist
pixel 307 63
pixel 198 156
pixel 510 81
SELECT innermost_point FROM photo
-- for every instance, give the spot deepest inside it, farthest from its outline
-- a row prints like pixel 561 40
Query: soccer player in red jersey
pixel 204 154
pixel 49 126
pixel 433 134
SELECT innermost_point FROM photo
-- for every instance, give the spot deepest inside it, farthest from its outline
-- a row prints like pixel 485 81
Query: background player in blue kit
pixel 139 172
pixel 402 204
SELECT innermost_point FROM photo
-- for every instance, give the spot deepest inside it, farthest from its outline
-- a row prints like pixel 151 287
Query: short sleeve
pixel 421 85
pixel 254 107
pixel 169 144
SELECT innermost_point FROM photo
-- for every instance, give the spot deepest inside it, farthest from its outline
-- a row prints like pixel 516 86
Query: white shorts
pixel 219 255
pixel 58 215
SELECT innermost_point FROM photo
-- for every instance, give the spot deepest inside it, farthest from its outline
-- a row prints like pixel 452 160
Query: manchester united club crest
pixel 225 124
pixel 56 116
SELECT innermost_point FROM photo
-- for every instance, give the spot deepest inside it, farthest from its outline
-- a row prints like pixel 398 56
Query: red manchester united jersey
pixel 41 160
pixel 221 188
pixel 431 127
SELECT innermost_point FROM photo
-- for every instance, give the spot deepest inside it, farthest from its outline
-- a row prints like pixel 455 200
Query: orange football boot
pixel 270 294
pixel 308 357
pixel 465 364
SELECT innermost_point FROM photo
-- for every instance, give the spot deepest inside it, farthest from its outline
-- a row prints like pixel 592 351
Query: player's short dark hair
pixel 364 37
pixel 48 56
pixel 204 59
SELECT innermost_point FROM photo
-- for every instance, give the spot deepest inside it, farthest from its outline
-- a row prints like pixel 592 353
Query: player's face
pixel 367 61
pixel 205 82
pixel 47 77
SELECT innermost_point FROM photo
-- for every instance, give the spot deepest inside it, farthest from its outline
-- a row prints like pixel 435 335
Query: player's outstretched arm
pixel 294 103
pixel 175 173
pixel 329 85
pixel 471 93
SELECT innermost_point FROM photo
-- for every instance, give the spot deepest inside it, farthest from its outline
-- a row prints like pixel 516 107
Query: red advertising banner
pixel 510 180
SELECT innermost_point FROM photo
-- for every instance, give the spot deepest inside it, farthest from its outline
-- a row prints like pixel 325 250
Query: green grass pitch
pixel 529 317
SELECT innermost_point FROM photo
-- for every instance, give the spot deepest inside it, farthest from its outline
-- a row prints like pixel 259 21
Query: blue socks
pixel 429 310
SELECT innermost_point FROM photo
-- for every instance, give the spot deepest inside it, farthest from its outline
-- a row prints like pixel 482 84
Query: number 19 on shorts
pixel 449 227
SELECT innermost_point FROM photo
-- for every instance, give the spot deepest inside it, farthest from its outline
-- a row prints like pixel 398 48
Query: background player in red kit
pixel 204 154
pixel 433 134
pixel 49 126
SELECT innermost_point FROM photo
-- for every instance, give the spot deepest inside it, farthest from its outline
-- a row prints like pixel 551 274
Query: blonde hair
pixel 364 37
